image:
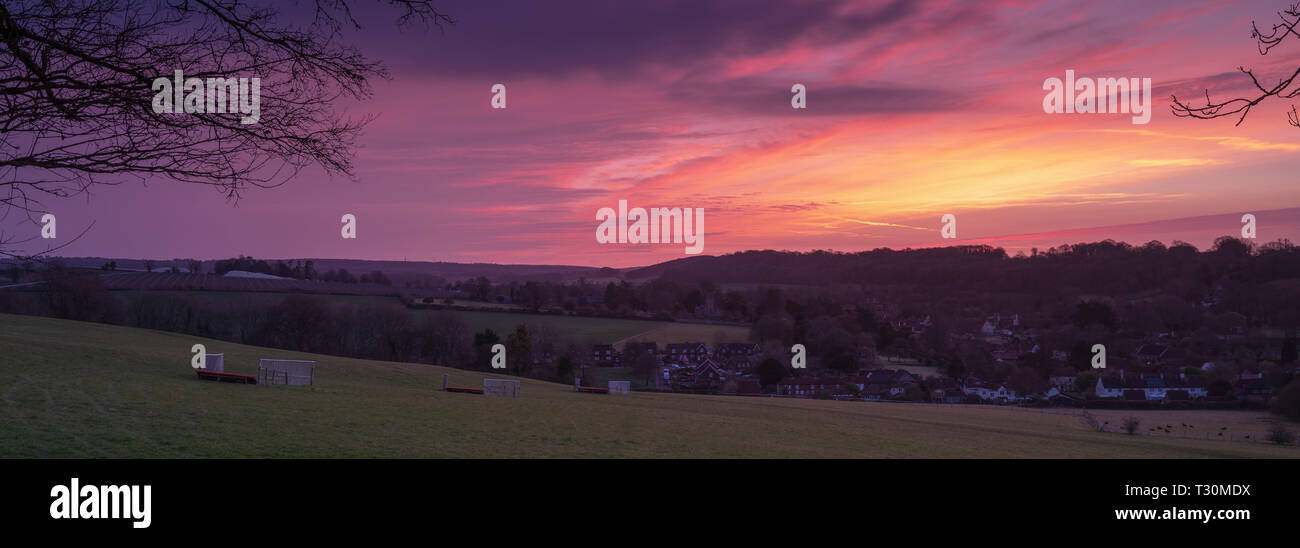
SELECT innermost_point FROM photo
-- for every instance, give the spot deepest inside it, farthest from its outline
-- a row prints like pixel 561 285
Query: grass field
pixel 1212 425
pixel 72 389
pixel 576 328
pixel 680 332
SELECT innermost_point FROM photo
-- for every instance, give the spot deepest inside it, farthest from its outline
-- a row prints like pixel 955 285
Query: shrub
pixel 1287 403
pixel 1279 434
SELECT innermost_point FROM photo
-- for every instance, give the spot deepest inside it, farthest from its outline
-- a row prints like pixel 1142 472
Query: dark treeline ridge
pixel 299 322
pixel 298 270
pixel 1106 267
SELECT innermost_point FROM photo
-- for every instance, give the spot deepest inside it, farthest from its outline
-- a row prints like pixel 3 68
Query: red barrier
pixel 463 390
pixel 225 377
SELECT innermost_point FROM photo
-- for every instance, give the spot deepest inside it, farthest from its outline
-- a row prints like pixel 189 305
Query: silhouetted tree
pixel 78 88
pixel 519 350
pixel 771 371
pixel 1285 88
pixel 1287 402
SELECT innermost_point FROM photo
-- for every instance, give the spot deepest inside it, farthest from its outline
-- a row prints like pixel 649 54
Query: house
pixel 997 325
pixel 889 376
pixel 1063 378
pixel 884 384
pixel 683 378
pixel 604 355
pixel 945 390
pixel 991 392
pixel 686 352
pixel 955 395
pixel 879 391
pixel 735 350
pixel 737 356
pixel 1152 387
pixel 810 387
pixel 709 375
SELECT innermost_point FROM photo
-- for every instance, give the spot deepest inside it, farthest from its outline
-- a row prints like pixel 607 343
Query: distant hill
pixel 167 281
pixel 399 271
pixel 498 273
pixel 1083 265
pixel 816 267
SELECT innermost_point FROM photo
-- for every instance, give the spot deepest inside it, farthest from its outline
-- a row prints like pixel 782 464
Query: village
pixel 1159 374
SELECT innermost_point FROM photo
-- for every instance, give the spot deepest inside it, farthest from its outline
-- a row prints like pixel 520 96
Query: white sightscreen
pixel 501 387
pixel 620 387
pixel 214 362
pixel 285 372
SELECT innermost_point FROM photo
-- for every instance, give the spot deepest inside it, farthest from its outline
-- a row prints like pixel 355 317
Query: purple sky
pixel 915 110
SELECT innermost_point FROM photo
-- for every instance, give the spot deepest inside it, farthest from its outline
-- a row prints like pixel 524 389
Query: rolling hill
pixel 73 389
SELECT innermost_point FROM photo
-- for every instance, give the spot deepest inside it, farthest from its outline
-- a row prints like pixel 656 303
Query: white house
pixel 1153 388
pixel 990 392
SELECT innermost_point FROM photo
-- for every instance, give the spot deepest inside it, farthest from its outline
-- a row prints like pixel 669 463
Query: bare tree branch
pixel 1241 106
pixel 76 93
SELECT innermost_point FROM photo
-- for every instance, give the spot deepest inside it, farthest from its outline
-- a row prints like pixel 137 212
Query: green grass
pixel 479 304
pixel 265 298
pixel 575 328
pixel 681 332
pixel 71 389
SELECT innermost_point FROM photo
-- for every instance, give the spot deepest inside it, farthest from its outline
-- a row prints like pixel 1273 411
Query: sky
pixel 915 110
